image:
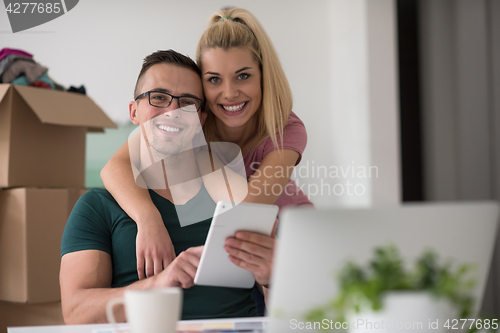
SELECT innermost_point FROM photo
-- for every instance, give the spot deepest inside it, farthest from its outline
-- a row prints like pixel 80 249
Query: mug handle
pixel 109 308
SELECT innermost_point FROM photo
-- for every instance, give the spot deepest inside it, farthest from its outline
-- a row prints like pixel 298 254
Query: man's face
pixel 168 130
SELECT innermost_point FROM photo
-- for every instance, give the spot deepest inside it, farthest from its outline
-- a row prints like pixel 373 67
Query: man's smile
pixel 169 128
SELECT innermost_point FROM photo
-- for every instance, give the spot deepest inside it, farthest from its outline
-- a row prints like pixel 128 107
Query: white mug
pixel 152 310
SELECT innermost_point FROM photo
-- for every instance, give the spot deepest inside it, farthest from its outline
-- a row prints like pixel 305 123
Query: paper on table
pixel 211 326
pixel 111 330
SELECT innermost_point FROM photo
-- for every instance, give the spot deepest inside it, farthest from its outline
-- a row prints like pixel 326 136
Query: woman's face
pixel 232 85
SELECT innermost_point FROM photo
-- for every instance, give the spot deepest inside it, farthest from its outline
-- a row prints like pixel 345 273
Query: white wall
pixel 101 44
pixel 364 112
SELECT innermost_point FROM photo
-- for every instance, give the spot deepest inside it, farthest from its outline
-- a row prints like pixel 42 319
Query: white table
pixel 111 327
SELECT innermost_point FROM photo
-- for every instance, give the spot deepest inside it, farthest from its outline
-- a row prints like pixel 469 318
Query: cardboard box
pixel 12 315
pixel 42 136
pixel 32 222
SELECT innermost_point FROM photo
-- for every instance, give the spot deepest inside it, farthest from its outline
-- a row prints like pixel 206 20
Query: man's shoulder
pixel 89 225
pixel 98 198
pixel 96 194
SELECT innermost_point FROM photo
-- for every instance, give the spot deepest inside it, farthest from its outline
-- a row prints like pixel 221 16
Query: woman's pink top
pixel 294 138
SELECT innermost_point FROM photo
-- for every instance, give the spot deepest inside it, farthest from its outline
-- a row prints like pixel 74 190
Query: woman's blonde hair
pixel 237 27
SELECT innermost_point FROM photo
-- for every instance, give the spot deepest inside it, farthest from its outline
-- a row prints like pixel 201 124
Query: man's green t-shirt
pixel 98 223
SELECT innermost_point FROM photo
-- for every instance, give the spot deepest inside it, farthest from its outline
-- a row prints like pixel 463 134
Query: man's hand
pixel 253 252
pixel 86 277
pixel 181 272
pixel 154 249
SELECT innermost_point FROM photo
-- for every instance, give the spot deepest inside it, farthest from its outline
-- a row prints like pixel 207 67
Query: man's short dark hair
pixel 166 57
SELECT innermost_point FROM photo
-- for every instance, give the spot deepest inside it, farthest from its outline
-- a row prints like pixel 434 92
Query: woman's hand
pixel 154 249
pixel 253 252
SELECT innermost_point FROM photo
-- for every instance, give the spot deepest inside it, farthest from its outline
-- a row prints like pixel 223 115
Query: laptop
pixel 315 244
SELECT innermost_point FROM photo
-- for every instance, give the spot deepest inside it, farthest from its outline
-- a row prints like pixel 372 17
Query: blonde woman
pixel 249 103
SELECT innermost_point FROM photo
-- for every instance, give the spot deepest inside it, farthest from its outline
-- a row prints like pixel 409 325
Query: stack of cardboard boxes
pixel 42 171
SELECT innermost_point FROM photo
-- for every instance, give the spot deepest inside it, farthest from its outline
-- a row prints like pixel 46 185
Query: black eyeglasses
pixel 161 99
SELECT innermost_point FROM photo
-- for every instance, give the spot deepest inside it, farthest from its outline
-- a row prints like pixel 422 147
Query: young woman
pixel 249 103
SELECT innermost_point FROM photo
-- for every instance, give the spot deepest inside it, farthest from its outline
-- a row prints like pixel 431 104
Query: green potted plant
pixel 385 292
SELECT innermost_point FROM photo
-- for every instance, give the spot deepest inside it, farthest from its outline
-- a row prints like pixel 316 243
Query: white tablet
pixel 215 268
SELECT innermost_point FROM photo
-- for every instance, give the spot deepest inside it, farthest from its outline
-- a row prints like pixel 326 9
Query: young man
pixel 98 246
